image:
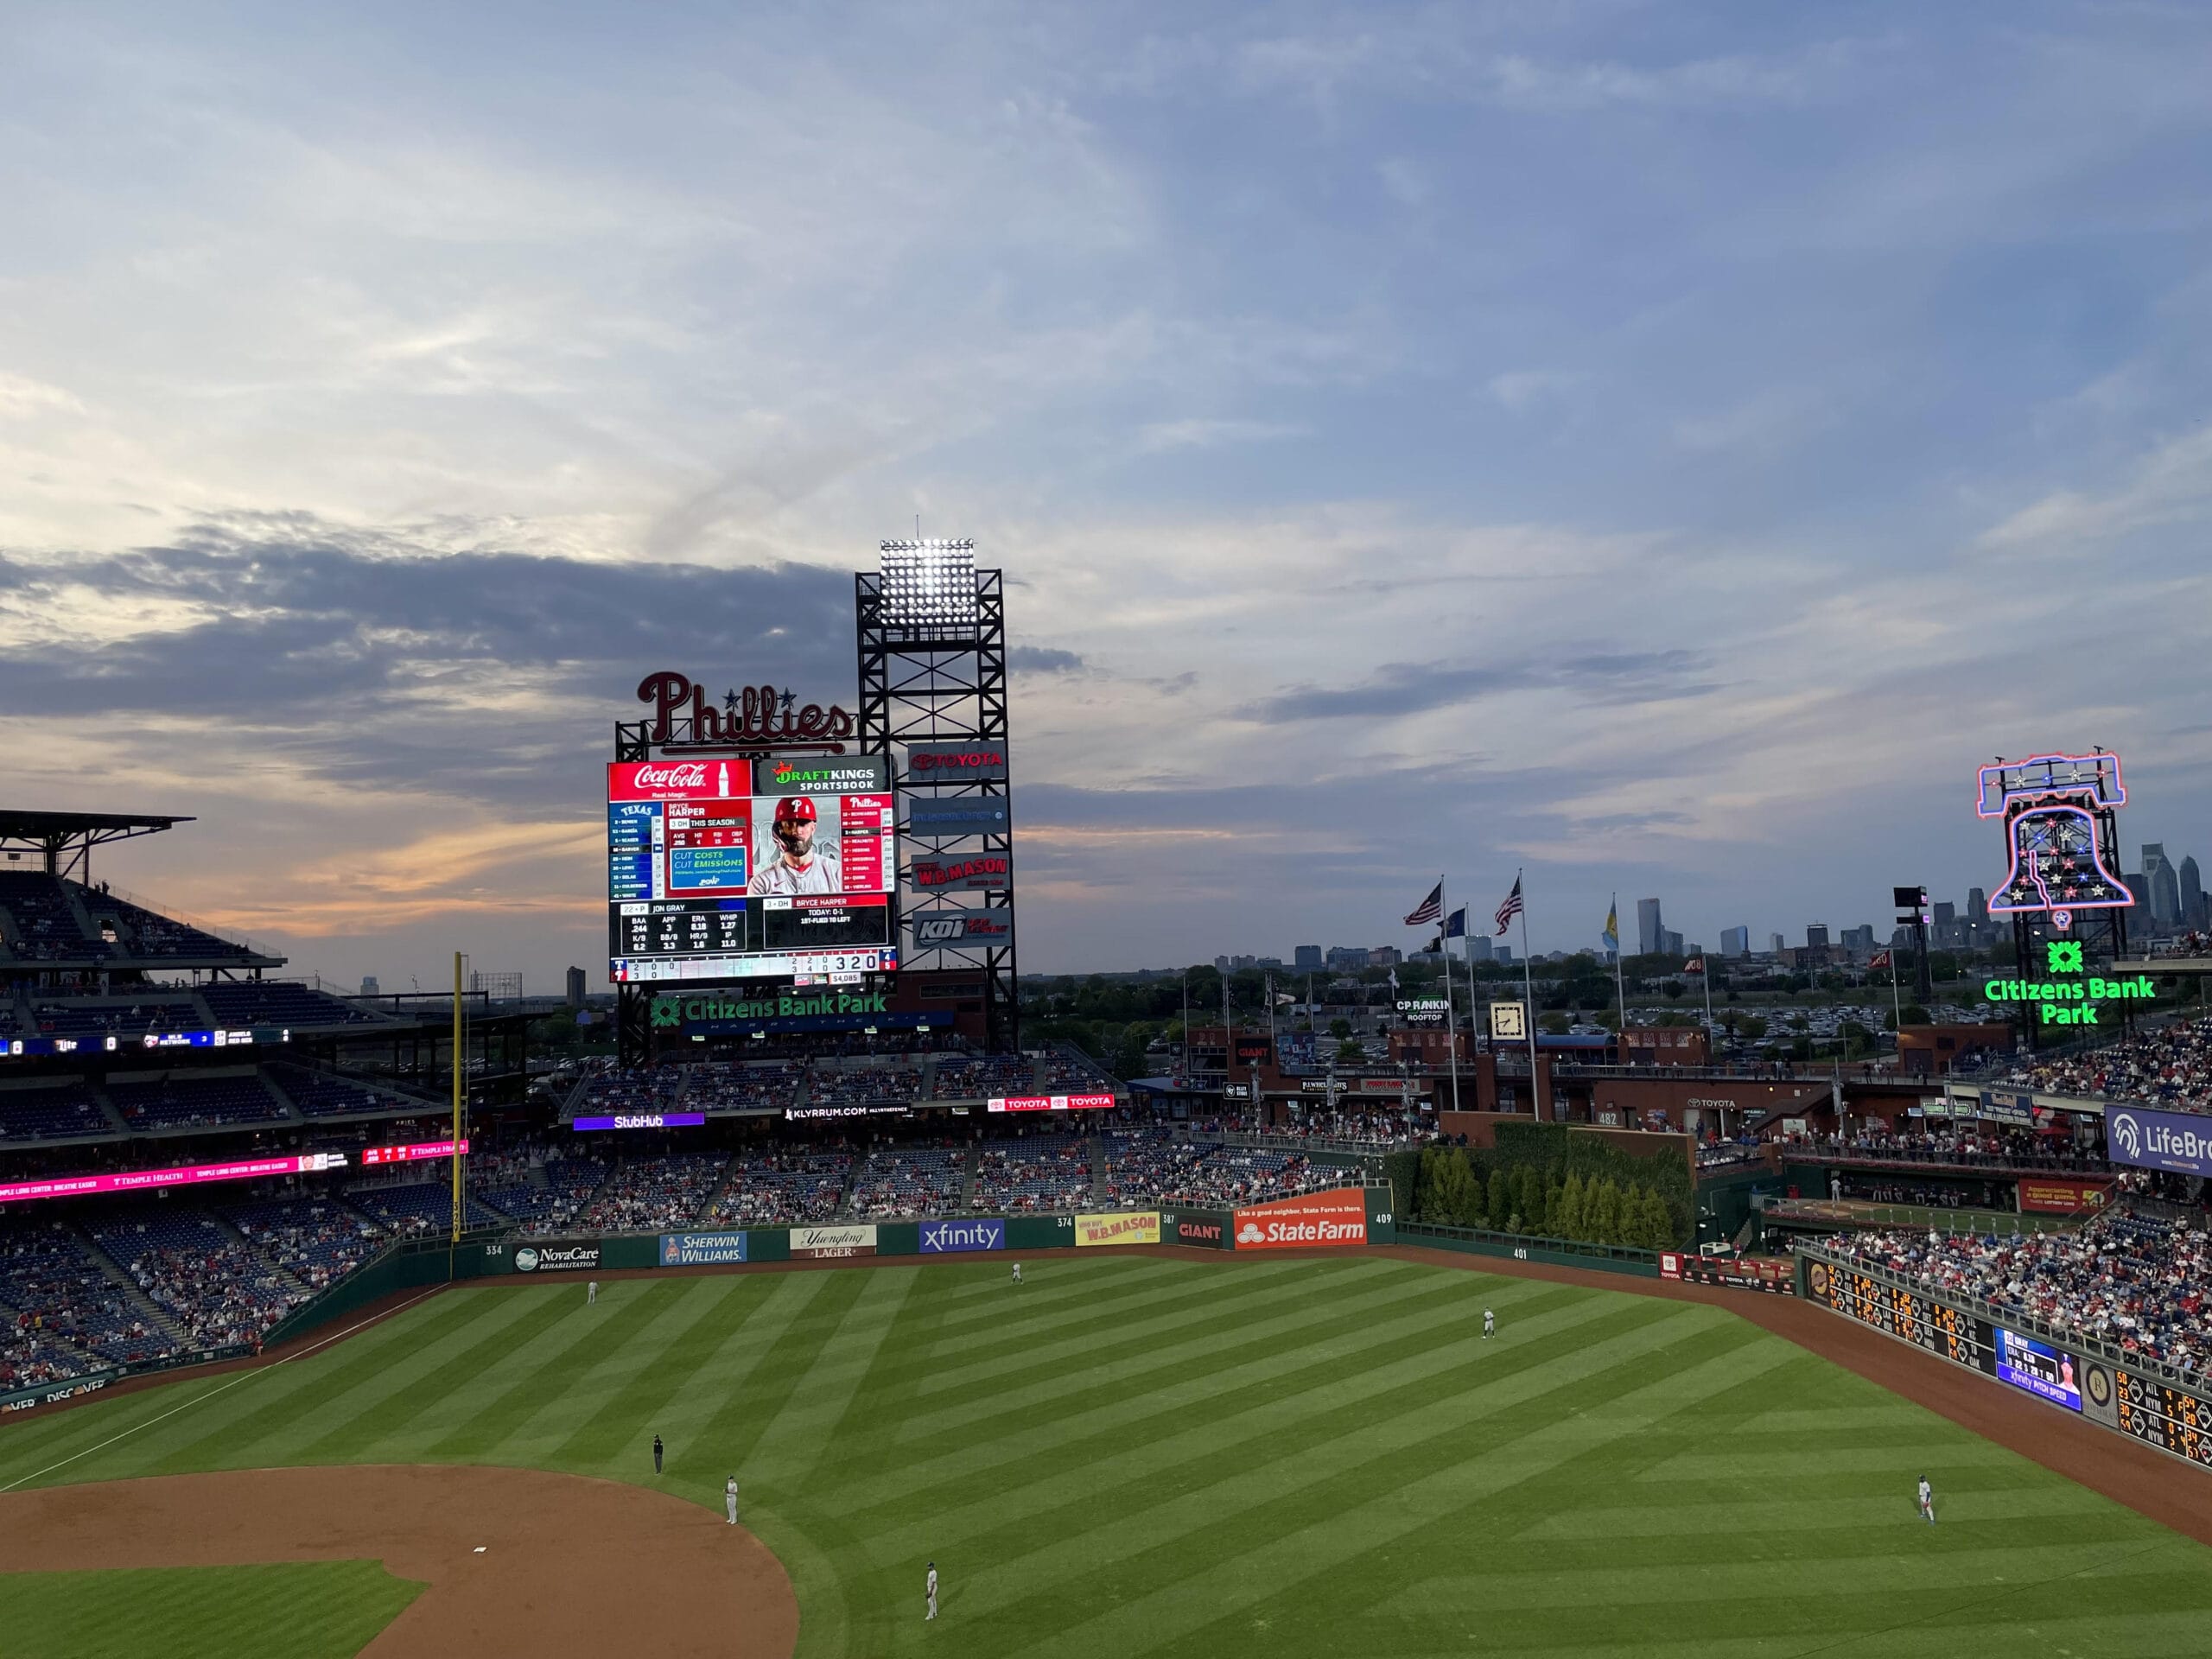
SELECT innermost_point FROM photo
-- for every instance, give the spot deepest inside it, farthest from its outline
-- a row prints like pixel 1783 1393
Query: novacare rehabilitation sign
pixel 2071 997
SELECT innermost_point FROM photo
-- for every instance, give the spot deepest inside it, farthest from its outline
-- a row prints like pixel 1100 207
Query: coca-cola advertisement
pixel 678 779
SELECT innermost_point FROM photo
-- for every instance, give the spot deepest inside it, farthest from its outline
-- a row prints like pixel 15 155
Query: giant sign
pixel 2180 1142
pixel 1335 1217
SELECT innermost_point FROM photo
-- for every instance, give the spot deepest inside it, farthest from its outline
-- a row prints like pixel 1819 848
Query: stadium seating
pixel 649 1194
pixel 278 1002
pixel 418 1207
pixel 318 1094
pixel 2137 1282
pixel 2170 1067
pixel 62 1304
pixel 109 1017
pixel 617 1094
pixel 1160 1164
pixel 197 1102
pixel 1037 1172
pixel 217 1290
pixel 772 1188
pixel 909 1181
pixel 769 1086
pixel 317 1240
pixel 963 1078
pixel 148 936
pixel 54 1114
pixel 875 1085
pixel 45 927
pixel 1067 1070
pixel 1965 1147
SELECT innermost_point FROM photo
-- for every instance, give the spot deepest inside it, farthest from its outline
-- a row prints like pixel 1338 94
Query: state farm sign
pixel 1335 1217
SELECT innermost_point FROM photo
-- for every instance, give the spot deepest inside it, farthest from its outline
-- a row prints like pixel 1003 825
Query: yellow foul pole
pixel 458 1062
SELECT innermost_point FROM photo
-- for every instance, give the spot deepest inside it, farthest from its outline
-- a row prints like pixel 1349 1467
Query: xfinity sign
pixel 945 1236
pixel 2181 1141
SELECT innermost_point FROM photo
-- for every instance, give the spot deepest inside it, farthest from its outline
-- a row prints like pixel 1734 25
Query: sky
pixel 1662 448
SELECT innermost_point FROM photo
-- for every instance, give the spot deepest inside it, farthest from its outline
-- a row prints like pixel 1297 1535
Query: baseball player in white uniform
pixel 729 1498
pixel 933 1591
pixel 591 1293
pixel 1017 1273
pixel 797 866
pixel 1490 1324
pixel 1926 1501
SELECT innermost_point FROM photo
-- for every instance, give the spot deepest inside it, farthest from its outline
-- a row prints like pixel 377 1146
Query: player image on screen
pixel 794 858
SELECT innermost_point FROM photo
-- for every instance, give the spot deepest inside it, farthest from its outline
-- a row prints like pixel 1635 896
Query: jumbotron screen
pixel 740 869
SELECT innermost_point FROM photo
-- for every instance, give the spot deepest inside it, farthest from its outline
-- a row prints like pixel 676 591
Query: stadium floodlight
pixel 929 584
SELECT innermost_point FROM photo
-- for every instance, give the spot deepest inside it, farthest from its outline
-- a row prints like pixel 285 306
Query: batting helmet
pixel 795 809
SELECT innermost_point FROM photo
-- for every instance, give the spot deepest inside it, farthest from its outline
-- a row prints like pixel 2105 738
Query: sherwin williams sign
pixel 700 1250
pixel 2181 1141
pixel 1337 1216
pixel 1122 1227
pixel 944 1236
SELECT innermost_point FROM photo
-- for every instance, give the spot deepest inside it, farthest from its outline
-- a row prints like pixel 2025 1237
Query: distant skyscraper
pixel 369 985
pixel 1946 912
pixel 1649 928
pixel 1816 936
pixel 2193 907
pixel 1478 948
pixel 1774 945
pixel 1670 942
pixel 1735 941
pixel 1977 905
pixel 2164 884
pixel 1309 958
pixel 575 988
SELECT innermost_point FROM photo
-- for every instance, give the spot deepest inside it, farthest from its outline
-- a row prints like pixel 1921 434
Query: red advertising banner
pixel 1337 1216
pixel 1048 1102
pixel 2042 1196
pixel 679 780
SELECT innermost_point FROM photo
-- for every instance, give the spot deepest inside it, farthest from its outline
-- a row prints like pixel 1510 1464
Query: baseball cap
pixel 795 808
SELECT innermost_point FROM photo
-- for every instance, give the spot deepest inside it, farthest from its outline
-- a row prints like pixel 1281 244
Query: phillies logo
pixel 758 716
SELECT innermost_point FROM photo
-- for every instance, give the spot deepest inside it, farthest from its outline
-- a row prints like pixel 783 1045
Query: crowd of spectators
pixel 317 1240
pixel 1035 1171
pixel 217 1291
pixel 51 1114
pixel 2135 1282
pixel 615 1093
pixel 61 1315
pixel 46 928
pixel 864 1086
pixel 196 1103
pixel 909 1180
pixel 978 1077
pixel 782 1188
pixel 2170 1067
pixel 1962 1146
pixel 719 1087
pixel 1065 1071
pixel 651 1194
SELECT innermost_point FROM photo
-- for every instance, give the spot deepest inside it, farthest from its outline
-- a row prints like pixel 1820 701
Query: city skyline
pixel 1688 505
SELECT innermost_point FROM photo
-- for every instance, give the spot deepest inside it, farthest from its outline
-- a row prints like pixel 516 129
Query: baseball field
pixel 1127 1454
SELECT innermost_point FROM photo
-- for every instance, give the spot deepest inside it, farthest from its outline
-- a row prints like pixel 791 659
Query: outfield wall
pixel 2154 1403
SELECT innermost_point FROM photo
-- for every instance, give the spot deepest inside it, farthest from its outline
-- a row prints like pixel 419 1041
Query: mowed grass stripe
pixel 736 1427
pixel 793 1440
pixel 1309 1533
pixel 718 1310
pixel 590 1333
pixel 1781 1517
pixel 1240 1397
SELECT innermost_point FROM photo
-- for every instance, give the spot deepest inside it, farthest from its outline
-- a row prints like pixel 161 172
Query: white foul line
pixel 251 1371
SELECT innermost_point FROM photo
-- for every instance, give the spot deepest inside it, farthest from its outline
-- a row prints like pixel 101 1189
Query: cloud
pixel 1208 435
pixel 2171 484
pixel 1043 659
pixel 1400 689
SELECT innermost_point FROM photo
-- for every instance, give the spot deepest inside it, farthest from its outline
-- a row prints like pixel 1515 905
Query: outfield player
pixel 932 1592
pixel 1926 1501
pixel 591 1294
pixel 1017 1273
pixel 797 866
pixel 729 1498
pixel 1490 1324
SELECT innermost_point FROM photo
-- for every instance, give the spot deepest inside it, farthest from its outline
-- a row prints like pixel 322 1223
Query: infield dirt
pixel 569 1567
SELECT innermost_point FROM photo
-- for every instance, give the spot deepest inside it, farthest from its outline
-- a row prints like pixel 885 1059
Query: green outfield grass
pixel 1132 1455
pixel 308 1609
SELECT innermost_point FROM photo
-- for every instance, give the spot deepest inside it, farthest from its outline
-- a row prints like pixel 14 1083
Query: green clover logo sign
pixel 669 1010
pixel 2065 955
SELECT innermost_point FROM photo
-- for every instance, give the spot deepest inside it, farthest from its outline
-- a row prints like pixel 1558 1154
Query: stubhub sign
pixel 940 1238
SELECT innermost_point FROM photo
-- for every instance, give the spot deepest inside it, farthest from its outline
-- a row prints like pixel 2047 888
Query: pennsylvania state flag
pixel 1612 934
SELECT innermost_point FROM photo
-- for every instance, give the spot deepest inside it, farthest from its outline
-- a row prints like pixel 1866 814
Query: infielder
pixel 1926 1501
pixel 932 1592
pixel 797 866
pixel 1490 1324
pixel 656 1454
pixel 729 1498
pixel 1017 1273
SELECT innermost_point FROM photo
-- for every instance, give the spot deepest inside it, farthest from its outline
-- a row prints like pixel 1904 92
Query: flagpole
pixel 1451 1019
pixel 1529 994
pixel 1620 984
pixel 1705 964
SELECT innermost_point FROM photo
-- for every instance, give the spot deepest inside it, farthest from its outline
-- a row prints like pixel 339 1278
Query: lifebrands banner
pixel 2044 1196
pixel 942 1238
pixel 700 1250
pixel 2181 1141
pixel 1122 1227
pixel 817 1242
pixel 1337 1216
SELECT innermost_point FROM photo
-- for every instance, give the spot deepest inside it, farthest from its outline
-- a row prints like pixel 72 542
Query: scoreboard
pixel 2172 1419
pixel 726 868
pixel 1941 1330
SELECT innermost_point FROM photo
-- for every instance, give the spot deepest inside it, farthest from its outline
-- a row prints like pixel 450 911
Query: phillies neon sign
pixel 686 716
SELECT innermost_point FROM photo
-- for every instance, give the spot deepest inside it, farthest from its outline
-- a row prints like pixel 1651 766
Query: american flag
pixel 1510 909
pixel 1430 909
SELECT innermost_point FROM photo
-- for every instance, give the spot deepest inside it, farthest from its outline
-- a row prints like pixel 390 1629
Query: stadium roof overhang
pixel 64 840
